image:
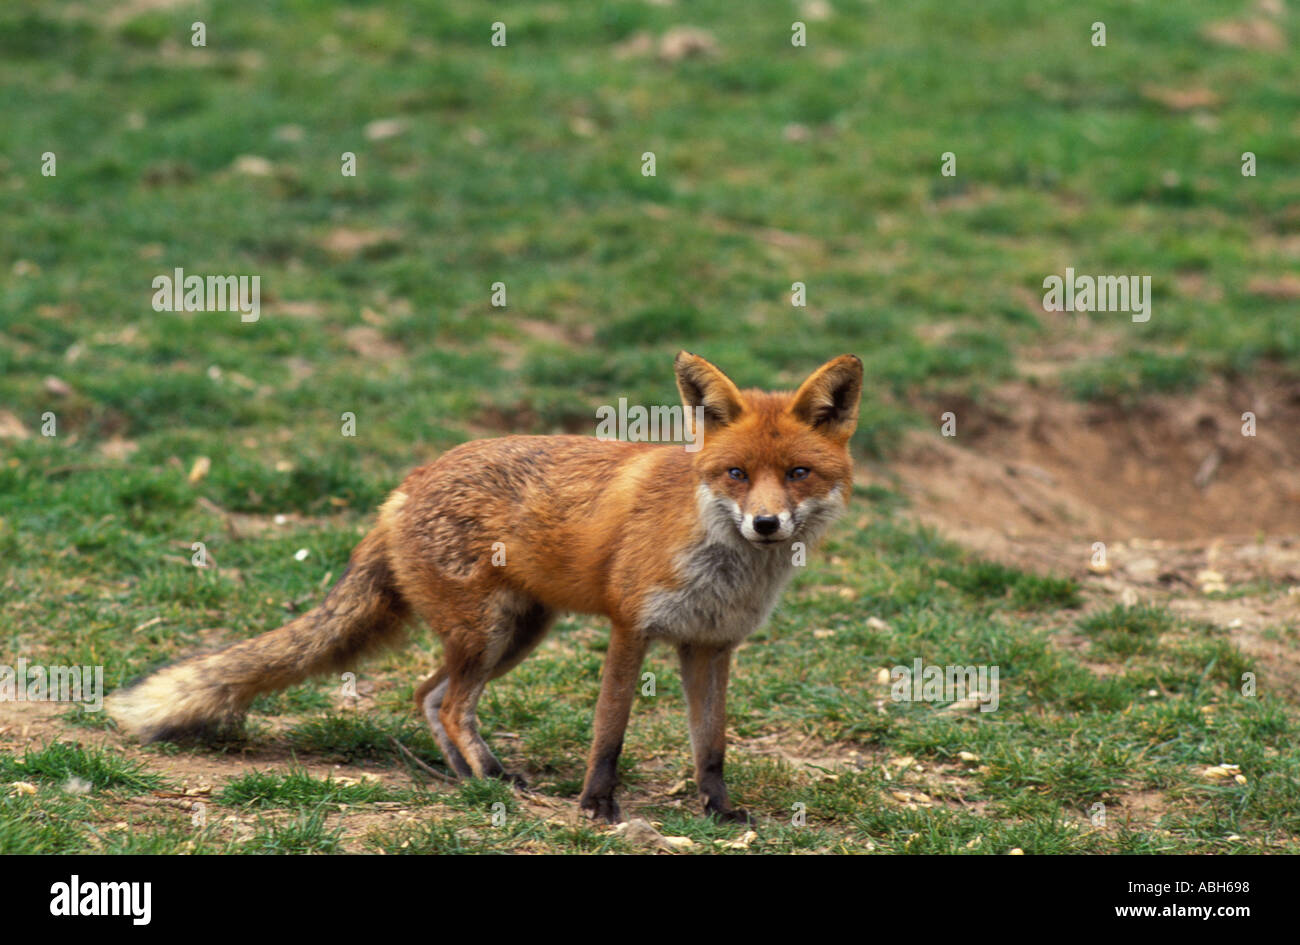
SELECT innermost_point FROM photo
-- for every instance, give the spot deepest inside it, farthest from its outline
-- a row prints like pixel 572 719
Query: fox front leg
pixel 618 686
pixel 705 670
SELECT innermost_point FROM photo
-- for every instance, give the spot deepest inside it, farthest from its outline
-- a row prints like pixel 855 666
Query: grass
pixel 1126 379
pixel 298 789
pixel 65 764
pixel 1125 631
pixel 308 832
pixel 351 738
pixel 522 165
pixel 910 777
pixel 985 580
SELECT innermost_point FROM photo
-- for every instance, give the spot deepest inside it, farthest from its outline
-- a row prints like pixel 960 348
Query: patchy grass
pixel 66 764
pixel 307 832
pixel 521 165
pixel 988 580
pixel 853 770
pixel 298 789
pixel 1129 377
pixel 351 738
pixel 1125 631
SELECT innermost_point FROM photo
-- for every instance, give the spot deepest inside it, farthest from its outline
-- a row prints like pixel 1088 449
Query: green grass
pixel 308 832
pixel 1125 631
pixel 350 738
pixel 62 763
pixel 1063 739
pixel 988 580
pixel 298 789
pixel 1126 379
pixel 521 165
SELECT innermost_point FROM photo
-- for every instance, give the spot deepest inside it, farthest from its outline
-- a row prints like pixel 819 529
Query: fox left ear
pixel 703 386
pixel 828 400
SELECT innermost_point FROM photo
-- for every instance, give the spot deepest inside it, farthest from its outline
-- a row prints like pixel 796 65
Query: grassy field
pixel 522 165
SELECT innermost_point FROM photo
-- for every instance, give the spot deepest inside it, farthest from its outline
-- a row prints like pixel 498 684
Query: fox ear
pixel 703 385
pixel 828 400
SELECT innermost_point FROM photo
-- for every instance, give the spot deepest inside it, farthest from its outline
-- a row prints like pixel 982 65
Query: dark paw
pixel 516 781
pixel 601 808
pixel 731 815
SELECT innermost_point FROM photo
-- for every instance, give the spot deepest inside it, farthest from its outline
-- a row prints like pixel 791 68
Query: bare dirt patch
pixel 1192 513
pixel 1028 461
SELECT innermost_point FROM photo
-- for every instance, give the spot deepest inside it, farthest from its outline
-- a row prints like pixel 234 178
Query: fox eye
pixel 735 472
pixel 799 472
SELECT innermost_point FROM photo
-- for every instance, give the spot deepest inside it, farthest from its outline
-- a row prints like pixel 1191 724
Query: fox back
pixel 492 540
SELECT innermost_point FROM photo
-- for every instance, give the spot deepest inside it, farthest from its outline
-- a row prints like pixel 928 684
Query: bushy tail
pixel 211 691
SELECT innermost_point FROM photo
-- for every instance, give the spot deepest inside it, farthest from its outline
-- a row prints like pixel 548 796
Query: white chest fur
pixel 728 586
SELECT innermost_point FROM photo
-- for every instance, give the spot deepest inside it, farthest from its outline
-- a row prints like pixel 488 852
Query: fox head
pixel 773 466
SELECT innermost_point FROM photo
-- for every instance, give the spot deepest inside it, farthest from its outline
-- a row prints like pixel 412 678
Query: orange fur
pixel 493 539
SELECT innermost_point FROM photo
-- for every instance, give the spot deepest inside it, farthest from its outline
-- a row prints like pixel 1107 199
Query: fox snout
pixel 764 528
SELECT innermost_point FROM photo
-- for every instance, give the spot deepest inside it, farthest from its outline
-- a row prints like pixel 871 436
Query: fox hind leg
pixel 449 699
pixel 429 698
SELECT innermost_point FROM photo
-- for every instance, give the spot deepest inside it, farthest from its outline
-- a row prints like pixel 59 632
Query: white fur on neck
pixel 728 585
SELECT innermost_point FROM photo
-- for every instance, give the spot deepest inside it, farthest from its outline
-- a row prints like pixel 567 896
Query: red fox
pixel 689 548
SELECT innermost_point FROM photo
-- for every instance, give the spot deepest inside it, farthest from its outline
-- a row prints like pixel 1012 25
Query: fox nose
pixel 766 524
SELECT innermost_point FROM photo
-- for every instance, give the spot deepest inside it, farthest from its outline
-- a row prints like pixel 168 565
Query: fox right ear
pixel 703 385
pixel 828 400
